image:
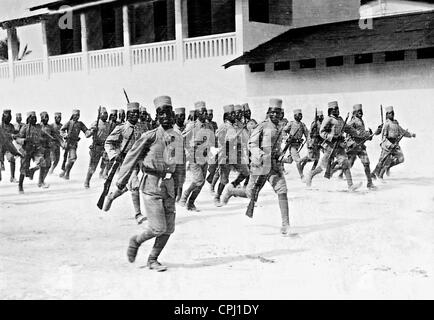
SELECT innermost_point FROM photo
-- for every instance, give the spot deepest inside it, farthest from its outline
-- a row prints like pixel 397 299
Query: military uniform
pixel 55 147
pixel 106 164
pixel 296 130
pixel 6 145
pixel 72 130
pixel 9 129
pixel 180 167
pixel 198 141
pixel 97 150
pixel 48 138
pixel 391 132
pixel 313 144
pixel 155 151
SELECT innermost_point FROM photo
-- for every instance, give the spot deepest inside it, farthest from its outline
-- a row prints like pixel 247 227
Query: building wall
pixel 407 85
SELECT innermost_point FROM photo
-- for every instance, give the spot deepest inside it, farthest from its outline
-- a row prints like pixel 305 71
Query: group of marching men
pixel 154 156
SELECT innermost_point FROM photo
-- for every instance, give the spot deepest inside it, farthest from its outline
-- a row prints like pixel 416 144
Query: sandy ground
pixel 56 244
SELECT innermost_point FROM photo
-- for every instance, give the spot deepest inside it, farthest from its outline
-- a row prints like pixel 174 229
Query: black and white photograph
pixel 198 150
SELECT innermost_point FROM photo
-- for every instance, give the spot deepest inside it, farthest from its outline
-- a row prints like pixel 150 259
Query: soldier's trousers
pixel 396 157
pixel 71 158
pixel 361 153
pixel 104 160
pixel 198 175
pixel 55 156
pixel 39 157
pixel 96 154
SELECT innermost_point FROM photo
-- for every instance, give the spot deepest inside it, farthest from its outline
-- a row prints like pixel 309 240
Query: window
pixel 363 58
pixel 259 11
pixel 335 61
pixel 160 21
pixel 199 18
pixel 257 67
pixel 425 53
pixel 108 20
pixel 282 65
pixel 394 55
pixel 308 63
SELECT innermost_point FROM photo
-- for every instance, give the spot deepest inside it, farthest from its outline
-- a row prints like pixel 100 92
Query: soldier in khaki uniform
pixel 96 151
pixel 159 151
pixel 7 145
pixel 9 128
pixel 331 131
pixel 296 130
pixel 48 138
pixel 18 124
pixel 106 164
pixel 314 143
pixel 56 145
pixel 71 131
pixel 143 124
pixel 392 131
pixel 199 138
pixel 122 116
pixel 180 167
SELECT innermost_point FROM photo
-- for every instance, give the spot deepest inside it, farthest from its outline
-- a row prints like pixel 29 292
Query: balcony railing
pixel 4 70
pixel 200 48
pixel 108 58
pixel 28 68
pixel 154 53
pixel 66 63
pixel 210 46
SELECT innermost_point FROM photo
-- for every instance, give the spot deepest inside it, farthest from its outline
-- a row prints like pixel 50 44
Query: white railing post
pixel 127 39
pixel 241 20
pixel 181 28
pixel 46 65
pixel 84 49
pixel 11 54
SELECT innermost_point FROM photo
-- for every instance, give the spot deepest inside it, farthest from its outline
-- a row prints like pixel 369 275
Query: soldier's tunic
pixel 55 146
pixel 180 167
pixel 355 143
pixel 160 178
pixel 117 141
pixel 18 126
pixel 390 135
pixel 6 144
pixel 251 125
pixel 8 129
pixel 296 130
pixel 265 147
pixel 33 150
pixel 73 129
pixel 97 147
pixel 106 164
pixel 47 143
pixel 315 141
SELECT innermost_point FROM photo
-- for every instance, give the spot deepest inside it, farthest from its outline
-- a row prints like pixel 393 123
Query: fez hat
pixel 132 106
pixel 57 114
pixel 276 103
pixel 228 109
pixel 210 110
pixel 44 113
pixel 142 109
pixel 18 114
pixel 389 109
pixel 297 111
pixel 31 113
pixel 191 112
pixel 114 111
pixel 180 111
pixel 162 101
pixel 357 107
pixel 7 111
pixel 319 113
pixel 238 107
pixel 103 110
pixel 245 106
pixel 75 111
pixel 199 105
pixel 333 104
pixel 122 110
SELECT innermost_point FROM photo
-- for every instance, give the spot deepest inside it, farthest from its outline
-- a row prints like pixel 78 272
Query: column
pixel 127 38
pixel 241 22
pixel 11 52
pixel 181 29
pixel 45 61
pixel 84 48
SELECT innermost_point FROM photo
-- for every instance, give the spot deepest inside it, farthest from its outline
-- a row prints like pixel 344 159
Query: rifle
pixel 126 96
pixel 327 174
pixel 259 184
pixel 95 135
pixel 382 116
pixel 114 168
pixel 288 144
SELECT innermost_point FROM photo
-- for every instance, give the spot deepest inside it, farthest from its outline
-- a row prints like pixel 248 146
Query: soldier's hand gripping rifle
pixel 259 184
pixel 288 144
pixel 114 168
pixel 95 134
pixel 338 140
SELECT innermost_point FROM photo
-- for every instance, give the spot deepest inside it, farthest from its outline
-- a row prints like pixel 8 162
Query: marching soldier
pixel 143 124
pixel 296 130
pixel 180 167
pixel 99 135
pixel 123 137
pixel 31 135
pixel 159 185
pixel 9 129
pixel 49 137
pixel 356 144
pixel 210 117
pixel 198 140
pixel 247 114
pixel 212 167
pixel 106 164
pixel 331 131
pixel 122 116
pixel 391 153
pixel 314 143
pixel 71 131
pixel 19 124
pixel 55 147
pixel 7 146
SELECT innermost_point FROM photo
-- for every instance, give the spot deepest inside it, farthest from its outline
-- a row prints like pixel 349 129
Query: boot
pixel 300 170
pixel 13 180
pixel 68 170
pixel 42 174
pixel 62 174
pixel 160 243
pixel 178 194
pixel 87 181
pixel 233 192
pixel 284 212
pixel 186 194
pixel 192 199
pixel 312 174
pixel 132 250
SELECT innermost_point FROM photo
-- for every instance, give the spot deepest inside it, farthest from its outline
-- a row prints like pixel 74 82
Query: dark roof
pixel 399 32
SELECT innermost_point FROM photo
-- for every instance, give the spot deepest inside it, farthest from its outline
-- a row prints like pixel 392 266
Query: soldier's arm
pixel 137 153
pixel 306 132
pixel 323 131
pixel 112 142
pixel 91 130
pixel 65 127
pixel 83 127
pixel 406 133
